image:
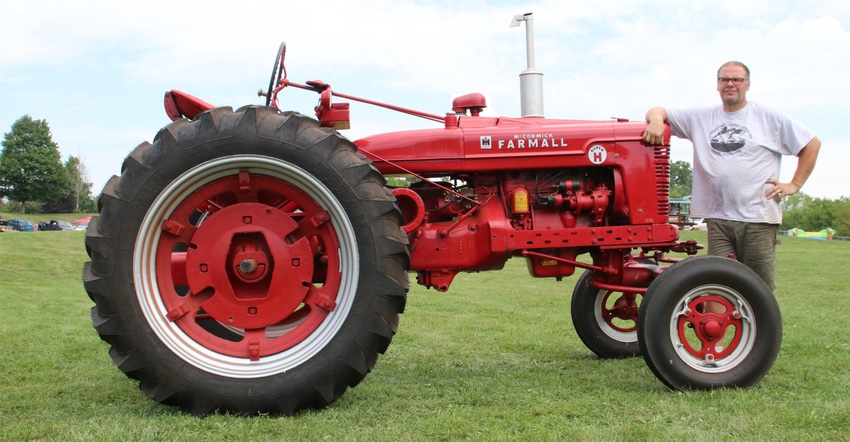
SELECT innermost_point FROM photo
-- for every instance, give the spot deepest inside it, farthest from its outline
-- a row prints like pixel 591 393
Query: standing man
pixel 738 148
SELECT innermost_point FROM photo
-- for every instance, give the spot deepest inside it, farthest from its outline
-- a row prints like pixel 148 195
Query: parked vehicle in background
pixel 20 225
pixel 56 225
pixel 699 224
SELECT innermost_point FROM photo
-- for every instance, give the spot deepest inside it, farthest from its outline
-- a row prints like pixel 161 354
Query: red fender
pixel 179 104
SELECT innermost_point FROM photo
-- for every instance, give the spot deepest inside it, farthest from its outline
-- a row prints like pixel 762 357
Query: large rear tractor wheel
pixel 709 322
pixel 247 262
pixel 605 320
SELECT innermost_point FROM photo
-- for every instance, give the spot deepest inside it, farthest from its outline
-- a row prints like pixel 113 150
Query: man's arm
pixel 654 133
pixel 805 165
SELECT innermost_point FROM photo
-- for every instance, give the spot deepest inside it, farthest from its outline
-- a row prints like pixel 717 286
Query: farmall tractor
pixel 255 261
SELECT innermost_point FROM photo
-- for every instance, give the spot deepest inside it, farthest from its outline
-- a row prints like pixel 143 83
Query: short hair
pixel 734 63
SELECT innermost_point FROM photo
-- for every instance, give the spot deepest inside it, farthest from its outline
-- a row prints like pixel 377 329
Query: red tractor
pixel 254 260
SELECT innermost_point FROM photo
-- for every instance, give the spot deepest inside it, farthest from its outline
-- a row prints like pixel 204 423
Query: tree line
pixel 804 212
pixel 33 177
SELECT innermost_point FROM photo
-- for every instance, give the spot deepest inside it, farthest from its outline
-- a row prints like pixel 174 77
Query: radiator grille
pixel 662 179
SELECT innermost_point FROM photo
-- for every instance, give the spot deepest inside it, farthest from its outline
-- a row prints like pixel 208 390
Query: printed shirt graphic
pixel 729 138
pixel 735 153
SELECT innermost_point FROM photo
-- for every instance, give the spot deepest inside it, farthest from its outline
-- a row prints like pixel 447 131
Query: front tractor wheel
pixel 246 262
pixel 709 322
pixel 605 320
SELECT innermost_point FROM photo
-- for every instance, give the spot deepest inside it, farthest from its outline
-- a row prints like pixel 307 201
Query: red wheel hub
pixel 242 257
pixel 710 326
pixel 247 265
pixel 712 329
pixel 625 309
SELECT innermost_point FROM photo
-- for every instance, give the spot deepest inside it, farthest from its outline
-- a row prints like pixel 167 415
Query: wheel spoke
pixel 190 308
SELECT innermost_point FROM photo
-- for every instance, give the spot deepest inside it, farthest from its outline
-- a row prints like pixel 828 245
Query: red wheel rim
pixel 710 328
pixel 242 265
pixel 623 310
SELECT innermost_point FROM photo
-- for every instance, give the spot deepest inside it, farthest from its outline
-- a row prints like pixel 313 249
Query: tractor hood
pixel 485 143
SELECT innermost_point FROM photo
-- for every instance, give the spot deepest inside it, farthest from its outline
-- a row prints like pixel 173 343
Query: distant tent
pixel 83 221
pixel 680 206
pixel 823 234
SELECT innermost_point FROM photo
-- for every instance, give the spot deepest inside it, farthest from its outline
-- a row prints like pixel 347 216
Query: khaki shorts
pixel 753 244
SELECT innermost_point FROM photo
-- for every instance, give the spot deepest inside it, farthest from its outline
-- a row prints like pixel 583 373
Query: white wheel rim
pixel 149 298
pixel 748 330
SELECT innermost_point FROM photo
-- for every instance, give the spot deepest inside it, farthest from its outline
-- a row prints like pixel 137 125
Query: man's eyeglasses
pixel 734 80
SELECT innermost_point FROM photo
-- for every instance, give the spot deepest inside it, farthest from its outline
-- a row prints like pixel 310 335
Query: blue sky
pixel 97 70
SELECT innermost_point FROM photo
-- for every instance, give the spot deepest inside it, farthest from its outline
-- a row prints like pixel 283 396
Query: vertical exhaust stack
pixel 530 80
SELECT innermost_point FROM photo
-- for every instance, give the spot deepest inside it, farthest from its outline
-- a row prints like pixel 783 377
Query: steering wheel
pixel 277 72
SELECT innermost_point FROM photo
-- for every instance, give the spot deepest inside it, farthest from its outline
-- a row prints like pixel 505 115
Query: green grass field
pixel 495 358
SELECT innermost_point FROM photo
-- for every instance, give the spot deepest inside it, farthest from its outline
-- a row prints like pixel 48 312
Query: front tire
pixel 709 322
pixel 247 262
pixel 604 320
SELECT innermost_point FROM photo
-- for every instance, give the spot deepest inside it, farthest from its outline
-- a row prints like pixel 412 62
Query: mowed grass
pixel 495 358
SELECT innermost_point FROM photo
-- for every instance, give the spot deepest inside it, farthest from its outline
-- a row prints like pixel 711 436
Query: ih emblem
pixel 486 142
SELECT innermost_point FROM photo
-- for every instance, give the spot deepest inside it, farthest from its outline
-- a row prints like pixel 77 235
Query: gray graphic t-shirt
pixel 735 153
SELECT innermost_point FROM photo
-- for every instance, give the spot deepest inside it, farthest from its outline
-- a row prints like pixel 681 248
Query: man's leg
pixel 753 244
pixel 758 251
pixel 722 237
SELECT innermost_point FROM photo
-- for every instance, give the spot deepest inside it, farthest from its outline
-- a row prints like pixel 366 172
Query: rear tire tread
pixel 111 238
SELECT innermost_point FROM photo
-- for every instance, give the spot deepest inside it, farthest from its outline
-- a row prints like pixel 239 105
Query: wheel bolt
pixel 248 265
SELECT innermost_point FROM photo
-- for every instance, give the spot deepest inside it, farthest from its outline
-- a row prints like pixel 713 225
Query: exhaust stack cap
pixel 530 80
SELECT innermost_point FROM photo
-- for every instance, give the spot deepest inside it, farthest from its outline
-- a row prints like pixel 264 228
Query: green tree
pixel 842 216
pixel 818 215
pixel 30 164
pixel 79 183
pixel 815 214
pixel 78 197
pixel 681 179
pixel 798 201
pixel 793 208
